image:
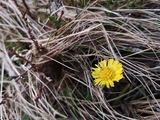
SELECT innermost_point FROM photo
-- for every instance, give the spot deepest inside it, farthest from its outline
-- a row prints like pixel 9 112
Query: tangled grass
pixel 48 49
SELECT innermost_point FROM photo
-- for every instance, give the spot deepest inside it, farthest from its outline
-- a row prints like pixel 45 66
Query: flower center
pixel 106 73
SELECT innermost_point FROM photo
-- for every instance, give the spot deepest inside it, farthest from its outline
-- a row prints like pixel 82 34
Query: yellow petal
pixel 97 81
pixel 96 69
pixel 111 83
pixel 117 78
pixel 110 63
pixel 117 64
pixel 103 63
pixel 118 71
pixel 107 84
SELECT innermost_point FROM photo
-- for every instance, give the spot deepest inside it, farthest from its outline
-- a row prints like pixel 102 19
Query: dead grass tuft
pixel 47 51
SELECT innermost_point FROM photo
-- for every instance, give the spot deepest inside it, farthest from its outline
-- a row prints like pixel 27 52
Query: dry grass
pixel 47 55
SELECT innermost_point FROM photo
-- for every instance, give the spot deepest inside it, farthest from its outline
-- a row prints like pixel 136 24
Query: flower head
pixel 107 72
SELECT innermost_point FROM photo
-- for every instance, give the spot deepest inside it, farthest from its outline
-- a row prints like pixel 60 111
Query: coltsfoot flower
pixel 107 72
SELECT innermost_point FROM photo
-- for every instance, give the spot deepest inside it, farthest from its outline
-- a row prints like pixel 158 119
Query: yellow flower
pixel 107 72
